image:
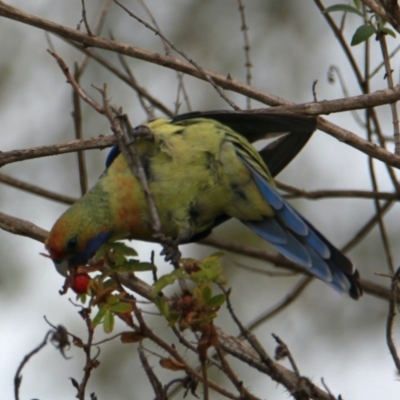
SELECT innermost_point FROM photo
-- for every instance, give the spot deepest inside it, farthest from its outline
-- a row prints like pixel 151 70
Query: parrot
pixel 202 170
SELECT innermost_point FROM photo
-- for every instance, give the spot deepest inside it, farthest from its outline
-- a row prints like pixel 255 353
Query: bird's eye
pixel 72 244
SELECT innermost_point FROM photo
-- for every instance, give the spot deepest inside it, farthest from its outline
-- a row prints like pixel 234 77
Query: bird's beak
pixel 62 267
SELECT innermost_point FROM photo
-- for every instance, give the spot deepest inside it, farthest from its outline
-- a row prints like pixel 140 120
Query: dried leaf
pixel 169 363
pixel 131 337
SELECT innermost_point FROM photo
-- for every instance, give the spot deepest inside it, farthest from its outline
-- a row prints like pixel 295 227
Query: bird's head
pixel 71 242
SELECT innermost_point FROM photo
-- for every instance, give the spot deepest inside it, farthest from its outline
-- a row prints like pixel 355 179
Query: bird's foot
pixel 170 250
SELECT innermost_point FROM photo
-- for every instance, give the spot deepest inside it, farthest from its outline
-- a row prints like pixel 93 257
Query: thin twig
pixel 390 319
pixel 382 64
pixel 25 360
pixel 328 390
pixel 96 31
pixel 84 19
pixel 393 108
pixel 295 193
pixel 248 64
pixel 91 362
pixel 77 117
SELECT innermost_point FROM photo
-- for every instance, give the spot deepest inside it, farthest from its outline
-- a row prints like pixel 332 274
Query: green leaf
pixel 162 305
pixel 108 323
pixel 173 318
pixel 134 266
pixel 82 297
pixel 344 8
pixel 112 300
pixel 162 282
pixel 388 31
pixel 99 316
pixel 122 248
pixel 357 4
pixel 109 283
pixel 120 307
pixel 216 301
pixel 167 279
pixel 127 265
pixel 210 269
pixel 101 252
pixel 206 294
pixel 363 33
pixel 119 259
pixel 208 274
pixel 145 266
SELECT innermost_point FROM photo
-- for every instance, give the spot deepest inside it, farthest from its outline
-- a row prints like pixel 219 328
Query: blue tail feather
pixel 320 267
pixel 287 245
pixel 270 230
pixel 302 243
pixel 290 218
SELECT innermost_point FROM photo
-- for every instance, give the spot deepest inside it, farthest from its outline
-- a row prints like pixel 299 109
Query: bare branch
pixel 158 389
pixel 36 190
pixel 21 227
pixel 9 157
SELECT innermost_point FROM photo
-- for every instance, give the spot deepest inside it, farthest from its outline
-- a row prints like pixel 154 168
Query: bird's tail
pixel 295 238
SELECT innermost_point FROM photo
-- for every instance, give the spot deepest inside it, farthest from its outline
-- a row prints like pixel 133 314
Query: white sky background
pixel 330 335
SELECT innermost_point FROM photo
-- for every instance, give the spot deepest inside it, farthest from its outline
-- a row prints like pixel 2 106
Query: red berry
pixel 80 283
